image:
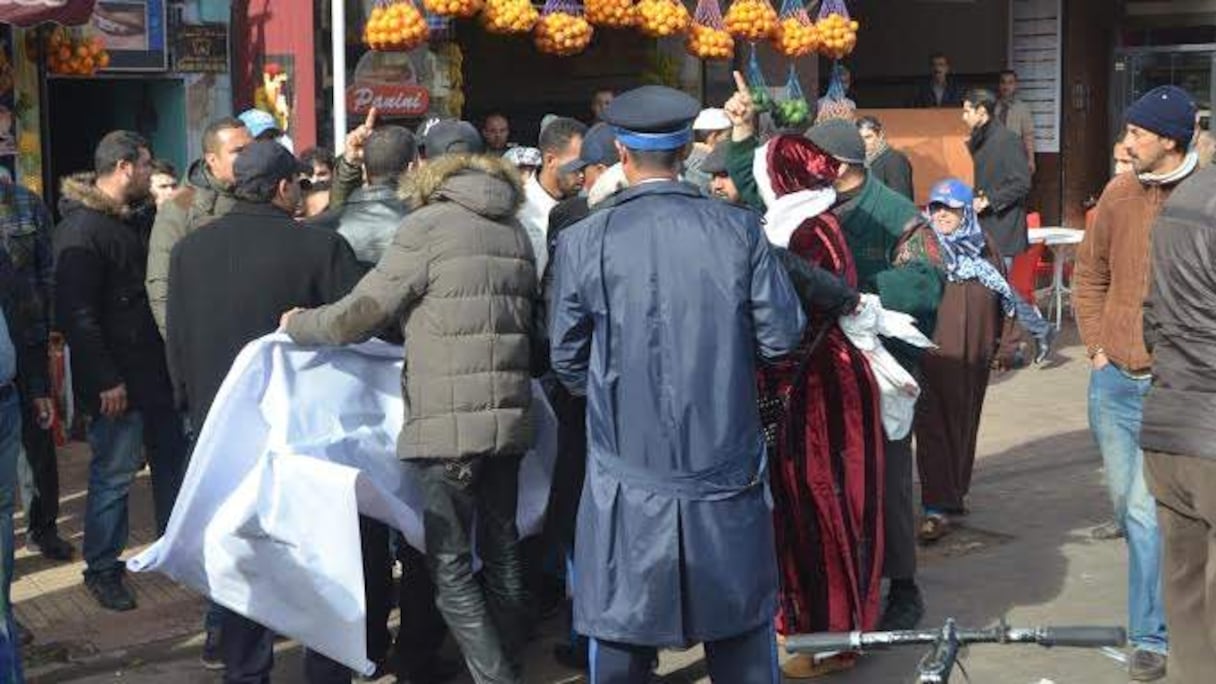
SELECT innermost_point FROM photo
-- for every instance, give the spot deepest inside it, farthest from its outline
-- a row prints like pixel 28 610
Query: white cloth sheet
pixel 298 443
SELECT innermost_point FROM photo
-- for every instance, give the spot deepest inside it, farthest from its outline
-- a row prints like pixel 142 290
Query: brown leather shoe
pixel 1146 666
pixel 933 527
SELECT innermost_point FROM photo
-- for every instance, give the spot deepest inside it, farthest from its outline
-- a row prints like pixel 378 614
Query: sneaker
pixel 50 546
pixel 904 609
pixel 111 592
pixel 1146 666
pixel 933 527
pixel 212 659
pixel 1044 344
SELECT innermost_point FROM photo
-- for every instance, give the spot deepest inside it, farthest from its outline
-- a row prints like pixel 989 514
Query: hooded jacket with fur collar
pixel 460 280
pixel 100 302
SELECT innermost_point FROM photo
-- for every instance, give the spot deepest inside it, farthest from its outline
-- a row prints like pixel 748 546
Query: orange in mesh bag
pixel 509 16
pixel 751 20
pixel 837 31
pixel 797 35
pixel 459 9
pixel 562 30
pixel 611 13
pixel 708 39
pixel 395 26
pixel 662 18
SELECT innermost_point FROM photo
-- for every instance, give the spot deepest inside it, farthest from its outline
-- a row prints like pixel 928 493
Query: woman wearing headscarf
pixel 955 374
pixel 827 465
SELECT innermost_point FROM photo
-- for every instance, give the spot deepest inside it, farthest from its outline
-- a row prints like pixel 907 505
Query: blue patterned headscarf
pixel 963 249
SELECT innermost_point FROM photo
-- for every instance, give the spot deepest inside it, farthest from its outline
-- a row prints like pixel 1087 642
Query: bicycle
pixel 938 664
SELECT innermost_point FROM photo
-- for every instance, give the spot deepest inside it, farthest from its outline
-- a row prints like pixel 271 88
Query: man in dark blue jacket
pixel 662 302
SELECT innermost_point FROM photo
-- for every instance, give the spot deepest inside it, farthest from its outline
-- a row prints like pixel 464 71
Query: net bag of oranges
pixel 796 34
pixel 837 30
pixel 663 18
pixel 836 104
pixel 793 112
pixel 509 16
pixel 457 9
pixel 751 20
pixel 562 29
pixel 395 26
pixel 708 38
pixel 70 52
pixel 611 13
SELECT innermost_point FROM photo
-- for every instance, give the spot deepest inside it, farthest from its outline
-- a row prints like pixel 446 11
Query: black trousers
pixel 899 514
pixel 248 650
pixel 43 512
pixel 750 658
pixel 488 623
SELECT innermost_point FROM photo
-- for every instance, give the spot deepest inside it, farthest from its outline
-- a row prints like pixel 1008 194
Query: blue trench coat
pixel 675 533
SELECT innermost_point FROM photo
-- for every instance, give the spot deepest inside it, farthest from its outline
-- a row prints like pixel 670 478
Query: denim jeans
pixel 1116 406
pixel 117 445
pixel 1029 317
pixel 10 453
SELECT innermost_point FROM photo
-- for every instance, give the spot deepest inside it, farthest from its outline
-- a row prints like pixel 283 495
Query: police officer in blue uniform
pixel 663 302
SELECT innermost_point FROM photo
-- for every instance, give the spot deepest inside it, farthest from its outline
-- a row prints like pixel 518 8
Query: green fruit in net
pixel 761 99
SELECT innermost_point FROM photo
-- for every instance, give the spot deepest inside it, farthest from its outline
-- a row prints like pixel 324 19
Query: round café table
pixel 1063 244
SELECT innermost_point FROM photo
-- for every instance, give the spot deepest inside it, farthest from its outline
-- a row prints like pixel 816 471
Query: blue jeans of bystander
pixel 1116 407
pixel 117 445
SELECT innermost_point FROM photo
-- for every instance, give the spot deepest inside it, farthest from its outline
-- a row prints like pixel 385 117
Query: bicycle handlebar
pixel 1081 637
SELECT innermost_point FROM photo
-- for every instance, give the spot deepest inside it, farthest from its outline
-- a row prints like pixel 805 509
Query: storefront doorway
pixel 80 111
pixel 1139 70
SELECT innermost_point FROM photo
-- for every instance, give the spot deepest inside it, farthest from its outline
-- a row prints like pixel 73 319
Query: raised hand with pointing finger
pixel 741 110
pixel 358 137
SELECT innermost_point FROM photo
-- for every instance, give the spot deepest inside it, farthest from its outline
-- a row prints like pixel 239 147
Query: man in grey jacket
pixel 1178 434
pixel 460 280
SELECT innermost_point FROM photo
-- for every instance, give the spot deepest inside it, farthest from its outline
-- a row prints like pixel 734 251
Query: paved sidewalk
pixel 1024 553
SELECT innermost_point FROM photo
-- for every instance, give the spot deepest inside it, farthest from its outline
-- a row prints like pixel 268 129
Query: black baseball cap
pixel 452 136
pixel 598 148
pixel 260 166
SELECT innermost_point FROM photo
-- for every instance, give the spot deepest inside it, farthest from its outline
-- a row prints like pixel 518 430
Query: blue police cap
pixel 653 118
pixel 598 148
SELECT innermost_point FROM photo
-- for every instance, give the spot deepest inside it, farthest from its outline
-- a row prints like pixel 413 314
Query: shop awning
pixel 31 12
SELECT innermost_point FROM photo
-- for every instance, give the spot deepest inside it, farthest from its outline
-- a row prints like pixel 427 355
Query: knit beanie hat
pixel 1167 111
pixel 840 139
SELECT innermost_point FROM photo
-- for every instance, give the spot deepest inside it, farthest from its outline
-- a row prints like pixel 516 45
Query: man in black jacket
pixel 118 357
pixel 1002 175
pixel 227 286
pixel 939 89
pixel 370 215
pixel 886 163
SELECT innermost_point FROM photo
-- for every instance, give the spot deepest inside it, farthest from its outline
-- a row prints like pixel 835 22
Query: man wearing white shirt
pixel 560 143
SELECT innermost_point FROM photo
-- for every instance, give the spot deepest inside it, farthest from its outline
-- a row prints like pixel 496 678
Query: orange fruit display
pixel 397 27
pixel 796 38
pixel 509 16
pixel 707 42
pixel 751 20
pixel 611 13
pixel 663 18
pixel 837 35
pixel 562 34
pixel 459 9
pixel 69 53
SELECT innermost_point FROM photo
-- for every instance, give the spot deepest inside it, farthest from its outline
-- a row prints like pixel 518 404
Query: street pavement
pixel 1024 554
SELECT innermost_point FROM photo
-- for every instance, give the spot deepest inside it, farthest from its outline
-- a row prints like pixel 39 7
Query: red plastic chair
pixel 1028 266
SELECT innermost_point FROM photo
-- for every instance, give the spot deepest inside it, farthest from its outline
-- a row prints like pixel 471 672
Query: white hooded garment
pixel 298 443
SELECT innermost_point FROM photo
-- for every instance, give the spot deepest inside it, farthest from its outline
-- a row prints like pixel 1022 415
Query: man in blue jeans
pixel 118 358
pixel 1109 290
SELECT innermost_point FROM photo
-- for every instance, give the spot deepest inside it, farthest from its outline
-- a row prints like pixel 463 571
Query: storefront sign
pixel 389 100
pixel 31 12
pixel 134 32
pixel 202 48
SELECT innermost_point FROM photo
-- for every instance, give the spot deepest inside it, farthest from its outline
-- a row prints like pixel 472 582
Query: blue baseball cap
pixel 953 193
pixel 598 148
pixel 259 122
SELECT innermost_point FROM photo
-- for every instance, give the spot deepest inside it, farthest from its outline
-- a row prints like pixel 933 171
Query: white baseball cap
pixel 712 119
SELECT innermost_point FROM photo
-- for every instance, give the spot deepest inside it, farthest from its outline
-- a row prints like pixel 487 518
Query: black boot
pixel 904 608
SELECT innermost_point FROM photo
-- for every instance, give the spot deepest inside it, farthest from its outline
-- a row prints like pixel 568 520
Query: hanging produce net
pixel 751 20
pixel 395 26
pixel 562 30
pixel 663 18
pixel 792 112
pixel 796 34
pixel 837 30
pixel 708 38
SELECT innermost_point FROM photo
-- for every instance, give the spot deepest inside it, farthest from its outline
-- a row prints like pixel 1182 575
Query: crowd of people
pixel 688 285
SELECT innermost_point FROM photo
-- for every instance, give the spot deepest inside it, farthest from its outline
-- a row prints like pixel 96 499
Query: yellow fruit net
pixel 663 18
pixel 796 34
pixel 751 20
pixel 562 29
pixel 837 30
pixel 457 9
pixel 708 38
pixel 395 26
pixel 611 13
pixel 69 52
pixel 509 16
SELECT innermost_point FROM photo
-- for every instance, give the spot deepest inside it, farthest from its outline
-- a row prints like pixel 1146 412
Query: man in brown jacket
pixel 1110 287
pixel 460 279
